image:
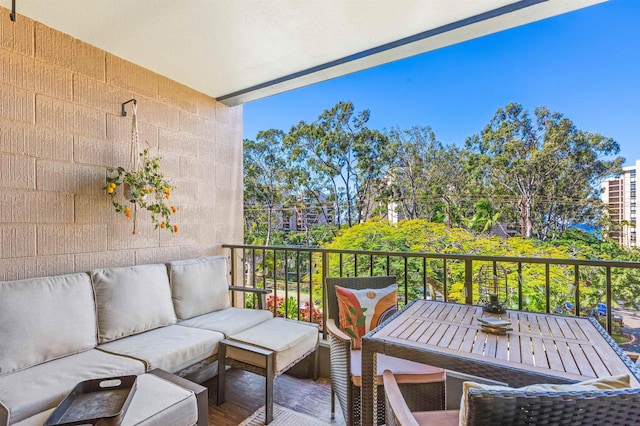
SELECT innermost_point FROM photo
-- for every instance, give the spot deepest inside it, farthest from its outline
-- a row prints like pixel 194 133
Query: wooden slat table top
pixel 567 347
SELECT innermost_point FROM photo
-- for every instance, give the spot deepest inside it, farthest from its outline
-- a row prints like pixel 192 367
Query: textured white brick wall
pixel 61 128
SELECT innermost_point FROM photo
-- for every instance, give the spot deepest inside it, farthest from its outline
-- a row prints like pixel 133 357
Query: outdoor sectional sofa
pixel 58 331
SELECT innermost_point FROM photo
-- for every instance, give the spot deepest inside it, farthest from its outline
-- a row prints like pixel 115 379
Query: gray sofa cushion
pixel 172 348
pixel 45 318
pixel 36 389
pixel 199 286
pixel 229 321
pixel 132 300
pixel 160 402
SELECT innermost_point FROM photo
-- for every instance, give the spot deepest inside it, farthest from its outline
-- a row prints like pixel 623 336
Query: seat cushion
pixel 41 387
pixel 404 371
pixel 289 340
pixel 132 300
pixel 156 401
pixel 229 321
pixel 199 286
pixel 171 348
pixel 363 310
pixel 42 319
pixel 440 418
pixel 159 402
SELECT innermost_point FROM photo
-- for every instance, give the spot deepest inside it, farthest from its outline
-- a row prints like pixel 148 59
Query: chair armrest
pixel 333 329
pixel 395 401
pixel 260 292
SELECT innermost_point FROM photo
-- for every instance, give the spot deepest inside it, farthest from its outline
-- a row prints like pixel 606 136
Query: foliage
pixel 264 182
pixel 340 152
pixel 289 308
pixel 536 172
pixel 145 188
pixel 425 178
pixel 419 236
pixel 542 168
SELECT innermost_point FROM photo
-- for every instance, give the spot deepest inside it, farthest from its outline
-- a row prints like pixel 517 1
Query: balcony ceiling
pixel 242 50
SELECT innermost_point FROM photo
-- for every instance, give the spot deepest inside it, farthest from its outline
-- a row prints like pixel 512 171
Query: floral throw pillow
pixel 362 310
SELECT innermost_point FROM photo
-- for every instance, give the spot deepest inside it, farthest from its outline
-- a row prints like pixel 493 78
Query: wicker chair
pixel 425 384
pixel 520 408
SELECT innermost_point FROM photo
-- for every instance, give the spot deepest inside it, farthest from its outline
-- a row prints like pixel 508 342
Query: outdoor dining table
pixel 540 348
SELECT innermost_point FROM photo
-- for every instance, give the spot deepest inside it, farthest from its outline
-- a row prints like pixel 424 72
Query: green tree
pixel 265 171
pixel 543 169
pixel 339 150
pixel 484 218
pixel 425 179
pixel 414 152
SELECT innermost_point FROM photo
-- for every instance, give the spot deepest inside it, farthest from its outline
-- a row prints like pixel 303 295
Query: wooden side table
pixel 267 349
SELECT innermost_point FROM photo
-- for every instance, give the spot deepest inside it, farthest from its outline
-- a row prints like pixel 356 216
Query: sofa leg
pixel 333 405
pixel 268 406
pixel 316 362
pixel 222 358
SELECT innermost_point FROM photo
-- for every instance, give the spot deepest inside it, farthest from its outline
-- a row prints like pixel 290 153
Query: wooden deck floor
pixel 245 394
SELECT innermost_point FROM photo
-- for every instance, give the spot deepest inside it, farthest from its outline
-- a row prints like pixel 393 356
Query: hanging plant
pixel 145 188
pixel 143 184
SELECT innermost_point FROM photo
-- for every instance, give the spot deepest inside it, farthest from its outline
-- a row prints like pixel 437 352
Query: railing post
pixel 547 291
pixel 325 295
pixel 444 279
pixel 232 272
pixel 576 273
pixel 424 279
pixel 232 264
pixel 286 284
pixel 608 296
pixel 468 281
pixel 355 264
pixel 519 286
pixel 406 280
pixel 298 289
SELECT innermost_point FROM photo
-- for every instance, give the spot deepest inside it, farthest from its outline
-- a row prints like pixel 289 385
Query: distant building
pixel 619 194
pixel 394 212
pixel 313 213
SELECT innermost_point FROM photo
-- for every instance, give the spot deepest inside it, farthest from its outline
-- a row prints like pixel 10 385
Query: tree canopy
pixel 534 174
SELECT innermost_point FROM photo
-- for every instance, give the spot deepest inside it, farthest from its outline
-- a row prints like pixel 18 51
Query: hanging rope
pixel 135 158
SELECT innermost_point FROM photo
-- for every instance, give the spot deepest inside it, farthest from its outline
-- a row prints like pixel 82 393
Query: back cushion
pixel 45 318
pixel 132 300
pixel 199 286
pixel 362 310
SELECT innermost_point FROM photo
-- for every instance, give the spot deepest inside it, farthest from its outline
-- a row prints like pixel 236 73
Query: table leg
pixel 222 358
pixel 367 391
pixel 268 406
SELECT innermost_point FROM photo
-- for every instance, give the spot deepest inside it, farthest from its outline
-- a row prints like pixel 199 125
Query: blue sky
pixel 584 64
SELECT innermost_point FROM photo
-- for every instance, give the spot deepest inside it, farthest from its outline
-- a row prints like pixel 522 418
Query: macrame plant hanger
pixel 135 157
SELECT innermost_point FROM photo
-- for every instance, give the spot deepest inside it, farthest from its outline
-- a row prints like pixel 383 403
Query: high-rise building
pixel 619 194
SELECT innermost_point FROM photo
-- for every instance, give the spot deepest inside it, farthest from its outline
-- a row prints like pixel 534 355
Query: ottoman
pixel 269 349
pixel 156 402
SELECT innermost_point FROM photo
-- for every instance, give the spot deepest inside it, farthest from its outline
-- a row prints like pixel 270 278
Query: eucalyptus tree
pixel 425 178
pixel 339 150
pixel 413 151
pixel 265 174
pixel 542 169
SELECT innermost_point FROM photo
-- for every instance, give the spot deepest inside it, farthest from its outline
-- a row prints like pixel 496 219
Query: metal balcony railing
pixel 552 285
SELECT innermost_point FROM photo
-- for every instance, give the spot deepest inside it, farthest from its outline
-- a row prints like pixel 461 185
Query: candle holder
pixel 493 306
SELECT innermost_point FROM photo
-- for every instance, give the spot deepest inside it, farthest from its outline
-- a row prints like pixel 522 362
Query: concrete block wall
pixel 61 128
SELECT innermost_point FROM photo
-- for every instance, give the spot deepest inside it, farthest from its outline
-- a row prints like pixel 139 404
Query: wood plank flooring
pixel 245 394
